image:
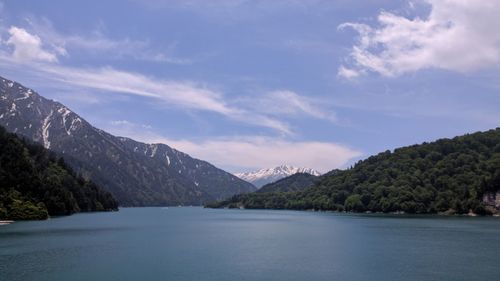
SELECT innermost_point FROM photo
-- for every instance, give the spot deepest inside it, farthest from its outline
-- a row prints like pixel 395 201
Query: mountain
pixel 35 184
pixel 137 174
pixel 295 182
pixel 450 176
pixel 264 176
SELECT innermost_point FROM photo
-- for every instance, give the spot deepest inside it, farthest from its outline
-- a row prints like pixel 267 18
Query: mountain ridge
pixel 265 176
pixel 138 174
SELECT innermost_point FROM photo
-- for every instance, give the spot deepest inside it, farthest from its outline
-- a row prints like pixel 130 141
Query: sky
pixel 255 84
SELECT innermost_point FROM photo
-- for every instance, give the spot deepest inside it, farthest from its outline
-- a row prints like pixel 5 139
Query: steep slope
pixel 264 176
pixel 137 174
pixel 295 182
pixel 458 175
pixel 34 184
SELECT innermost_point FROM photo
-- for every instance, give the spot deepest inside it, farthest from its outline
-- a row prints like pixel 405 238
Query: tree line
pixel 446 176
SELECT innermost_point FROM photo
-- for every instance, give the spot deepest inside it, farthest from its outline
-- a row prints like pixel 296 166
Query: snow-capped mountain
pixel 136 173
pixel 265 176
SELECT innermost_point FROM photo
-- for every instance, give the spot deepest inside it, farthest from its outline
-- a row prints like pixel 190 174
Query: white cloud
pixel 347 72
pixel 250 152
pixel 28 47
pixel 458 36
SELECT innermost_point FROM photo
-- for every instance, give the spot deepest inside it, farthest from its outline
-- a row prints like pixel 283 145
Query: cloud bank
pixel 258 152
pixel 248 152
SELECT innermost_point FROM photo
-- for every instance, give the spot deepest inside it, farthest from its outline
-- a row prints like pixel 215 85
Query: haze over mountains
pixel 264 176
pixel 137 174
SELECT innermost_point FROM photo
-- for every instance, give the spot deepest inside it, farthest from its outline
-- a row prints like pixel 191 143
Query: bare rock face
pixel 492 199
pixel 137 174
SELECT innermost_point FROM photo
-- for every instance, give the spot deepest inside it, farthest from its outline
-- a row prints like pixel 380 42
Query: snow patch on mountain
pixel 45 130
pixel 138 173
pixel 25 95
pixel 265 176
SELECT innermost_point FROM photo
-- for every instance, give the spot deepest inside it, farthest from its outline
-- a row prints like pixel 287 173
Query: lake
pixel 205 244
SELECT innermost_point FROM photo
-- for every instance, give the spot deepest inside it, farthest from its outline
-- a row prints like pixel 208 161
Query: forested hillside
pixel 294 182
pixel 445 176
pixel 34 184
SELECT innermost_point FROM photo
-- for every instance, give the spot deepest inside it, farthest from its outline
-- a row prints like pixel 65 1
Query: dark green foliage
pixel 294 182
pixel 26 210
pixel 35 184
pixel 449 175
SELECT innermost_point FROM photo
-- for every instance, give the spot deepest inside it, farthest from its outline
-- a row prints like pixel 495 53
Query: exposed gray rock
pixel 137 174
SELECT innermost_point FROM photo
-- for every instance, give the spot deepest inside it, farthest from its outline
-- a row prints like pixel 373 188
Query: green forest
pixel 294 182
pixel 448 176
pixel 35 184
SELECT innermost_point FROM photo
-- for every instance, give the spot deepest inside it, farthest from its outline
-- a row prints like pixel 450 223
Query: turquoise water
pixel 206 244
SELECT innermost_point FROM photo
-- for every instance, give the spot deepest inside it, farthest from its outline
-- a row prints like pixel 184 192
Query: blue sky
pixel 254 84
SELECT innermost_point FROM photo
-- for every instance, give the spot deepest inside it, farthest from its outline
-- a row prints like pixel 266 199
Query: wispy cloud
pixel 96 42
pixel 130 125
pixel 456 35
pixel 289 103
pixel 29 55
pixel 348 72
pixel 249 152
pixel 184 94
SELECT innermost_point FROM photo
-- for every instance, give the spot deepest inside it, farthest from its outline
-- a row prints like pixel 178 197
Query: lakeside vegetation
pixel 446 176
pixel 35 184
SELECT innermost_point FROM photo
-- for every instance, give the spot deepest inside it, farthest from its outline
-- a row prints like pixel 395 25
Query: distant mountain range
pixel 137 174
pixel 447 176
pixel 264 176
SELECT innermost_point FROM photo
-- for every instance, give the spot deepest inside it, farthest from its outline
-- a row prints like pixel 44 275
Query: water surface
pixel 205 244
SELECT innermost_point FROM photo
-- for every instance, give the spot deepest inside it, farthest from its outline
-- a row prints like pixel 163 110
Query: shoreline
pixel 397 213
